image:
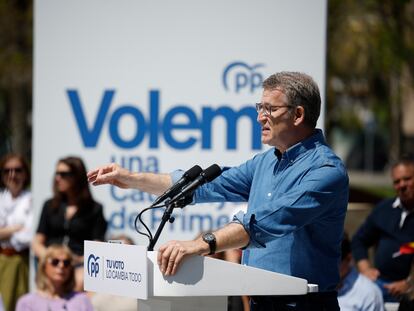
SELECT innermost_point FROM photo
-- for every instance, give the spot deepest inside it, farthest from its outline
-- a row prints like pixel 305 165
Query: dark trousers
pixel 406 304
pixel 323 301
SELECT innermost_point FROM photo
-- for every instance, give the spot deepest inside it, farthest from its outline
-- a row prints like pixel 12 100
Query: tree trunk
pixel 18 120
pixel 395 126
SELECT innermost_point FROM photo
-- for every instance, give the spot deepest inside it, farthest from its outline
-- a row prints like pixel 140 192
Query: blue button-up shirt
pixel 296 209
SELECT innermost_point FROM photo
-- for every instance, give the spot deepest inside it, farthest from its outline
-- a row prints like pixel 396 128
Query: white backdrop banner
pixel 160 85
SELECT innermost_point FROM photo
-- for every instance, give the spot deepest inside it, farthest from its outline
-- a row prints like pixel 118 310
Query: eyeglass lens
pixel 268 109
pixel 64 174
pixel 55 262
pixel 17 170
pixel 265 109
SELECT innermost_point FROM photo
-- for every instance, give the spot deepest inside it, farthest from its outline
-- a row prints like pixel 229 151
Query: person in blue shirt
pixel 356 291
pixel 297 194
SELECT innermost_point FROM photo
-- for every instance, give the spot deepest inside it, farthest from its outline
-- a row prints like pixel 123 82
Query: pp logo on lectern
pixel 93 265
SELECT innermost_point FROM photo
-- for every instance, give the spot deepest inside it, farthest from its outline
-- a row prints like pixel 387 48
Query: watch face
pixel 211 240
pixel 208 237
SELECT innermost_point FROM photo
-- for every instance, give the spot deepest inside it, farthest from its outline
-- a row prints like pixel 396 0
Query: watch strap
pixel 210 239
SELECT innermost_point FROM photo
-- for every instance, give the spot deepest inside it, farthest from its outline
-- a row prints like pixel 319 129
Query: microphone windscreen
pixel 212 172
pixel 193 172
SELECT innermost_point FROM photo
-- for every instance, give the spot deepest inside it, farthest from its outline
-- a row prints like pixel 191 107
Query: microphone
pixel 207 175
pixel 188 176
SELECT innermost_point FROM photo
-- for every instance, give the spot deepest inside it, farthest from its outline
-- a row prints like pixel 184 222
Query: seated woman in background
pixel 71 216
pixel 55 283
pixel 16 216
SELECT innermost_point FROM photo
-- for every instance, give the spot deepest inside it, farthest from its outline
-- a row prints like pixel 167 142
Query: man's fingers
pixel 97 172
pixel 169 257
pixel 92 173
pixel 160 253
pixel 171 261
pixel 104 176
pixel 165 256
pixel 177 263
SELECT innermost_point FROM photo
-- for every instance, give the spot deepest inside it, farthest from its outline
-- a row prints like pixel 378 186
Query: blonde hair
pixel 42 281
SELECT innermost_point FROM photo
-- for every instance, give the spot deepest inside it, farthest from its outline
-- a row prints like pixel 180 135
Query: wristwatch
pixel 210 239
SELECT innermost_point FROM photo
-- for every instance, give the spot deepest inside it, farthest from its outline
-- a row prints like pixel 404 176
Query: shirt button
pixel 269 194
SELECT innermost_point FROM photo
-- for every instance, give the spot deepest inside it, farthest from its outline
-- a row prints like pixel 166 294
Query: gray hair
pixel 406 159
pixel 300 89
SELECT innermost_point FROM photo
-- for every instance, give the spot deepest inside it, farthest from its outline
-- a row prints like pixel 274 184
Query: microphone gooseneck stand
pixel 184 197
pixel 167 217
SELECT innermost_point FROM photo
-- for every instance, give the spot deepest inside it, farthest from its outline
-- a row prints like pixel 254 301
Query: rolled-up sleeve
pixel 251 227
pixel 365 237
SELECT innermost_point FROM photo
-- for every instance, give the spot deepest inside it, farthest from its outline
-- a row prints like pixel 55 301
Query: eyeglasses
pixel 268 109
pixel 55 262
pixel 64 174
pixel 16 170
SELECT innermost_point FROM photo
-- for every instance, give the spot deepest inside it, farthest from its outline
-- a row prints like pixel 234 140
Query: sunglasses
pixel 63 174
pixel 55 262
pixel 16 170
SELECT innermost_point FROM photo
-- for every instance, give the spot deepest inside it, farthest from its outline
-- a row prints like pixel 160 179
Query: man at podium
pixel 297 194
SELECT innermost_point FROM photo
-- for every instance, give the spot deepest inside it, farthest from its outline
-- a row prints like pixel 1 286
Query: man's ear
pixel 299 116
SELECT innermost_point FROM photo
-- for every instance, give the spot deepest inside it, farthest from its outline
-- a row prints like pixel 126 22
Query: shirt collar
pixel 397 203
pixel 292 153
pixel 404 212
pixel 348 282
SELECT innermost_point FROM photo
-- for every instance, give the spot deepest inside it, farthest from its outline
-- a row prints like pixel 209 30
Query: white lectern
pixel 202 283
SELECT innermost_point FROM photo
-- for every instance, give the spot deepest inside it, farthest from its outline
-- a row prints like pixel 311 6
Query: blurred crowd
pixel 72 215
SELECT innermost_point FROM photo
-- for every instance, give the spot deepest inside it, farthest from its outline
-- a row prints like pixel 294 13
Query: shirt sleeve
pixel 309 202
pixel 23 304
pixel 99 228
pixel 84 303
pixel 365 237
pixel 22 239
pixel 376 303
pixel 233 185
pixel 43 226
pixel 372 300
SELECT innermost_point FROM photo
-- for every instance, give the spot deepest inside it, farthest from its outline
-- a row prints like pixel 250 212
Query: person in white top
pixel 16 217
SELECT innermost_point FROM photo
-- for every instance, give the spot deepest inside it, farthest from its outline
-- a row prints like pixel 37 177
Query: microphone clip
pixel 181 202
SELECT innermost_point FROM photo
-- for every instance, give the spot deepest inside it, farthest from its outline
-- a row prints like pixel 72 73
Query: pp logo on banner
pixel 93 265
pixel 238 76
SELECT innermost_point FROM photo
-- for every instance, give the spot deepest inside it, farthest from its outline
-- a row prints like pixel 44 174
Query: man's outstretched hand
pixel 111 174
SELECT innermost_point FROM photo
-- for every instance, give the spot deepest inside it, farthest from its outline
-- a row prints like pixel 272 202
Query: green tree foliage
pixel 370 62
pixel 16 45
pixel 370 66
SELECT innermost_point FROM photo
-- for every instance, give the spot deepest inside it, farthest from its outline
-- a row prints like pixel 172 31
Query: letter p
pixel 93 265
pixel 241 81
pixel 256 81
pixel 94 268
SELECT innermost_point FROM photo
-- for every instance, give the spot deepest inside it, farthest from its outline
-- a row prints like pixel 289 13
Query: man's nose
pixel 11 175
pixel 401 185
pixel 261 117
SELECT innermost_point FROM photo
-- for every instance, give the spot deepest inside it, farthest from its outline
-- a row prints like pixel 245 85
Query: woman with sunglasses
pixel 55 282
pixel 71 216
pixel 15 228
